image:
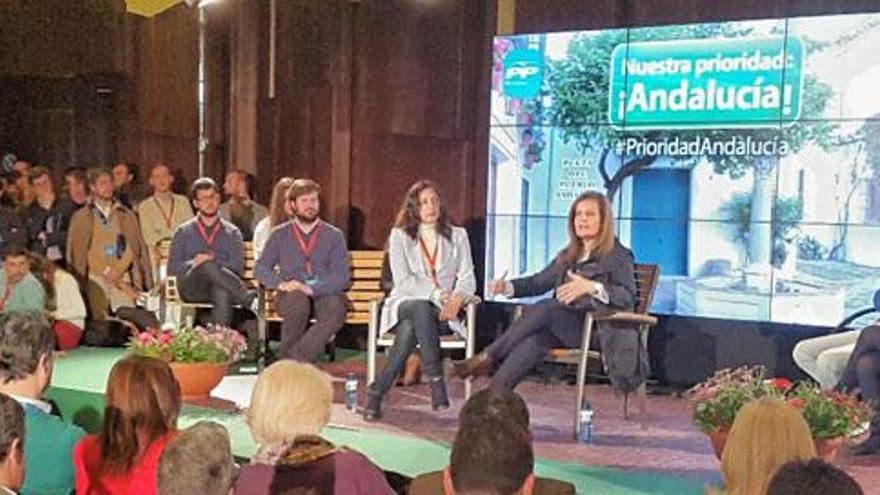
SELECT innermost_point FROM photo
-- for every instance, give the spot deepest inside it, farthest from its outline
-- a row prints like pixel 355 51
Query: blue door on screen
pixel 660 218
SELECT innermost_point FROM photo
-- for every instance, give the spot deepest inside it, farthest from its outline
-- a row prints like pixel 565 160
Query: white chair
pixel 452 341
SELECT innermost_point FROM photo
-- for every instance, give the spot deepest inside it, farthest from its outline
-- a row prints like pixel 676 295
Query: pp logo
pixel 523 73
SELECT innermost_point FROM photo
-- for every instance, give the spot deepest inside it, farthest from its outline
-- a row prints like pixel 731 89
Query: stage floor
pixel 669 457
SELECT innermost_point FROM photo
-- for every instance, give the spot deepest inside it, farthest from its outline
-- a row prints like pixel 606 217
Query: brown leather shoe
pixel 412 372
pixel 479 365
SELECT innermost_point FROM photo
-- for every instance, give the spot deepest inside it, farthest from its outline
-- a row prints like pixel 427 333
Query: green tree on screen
pixel 578 85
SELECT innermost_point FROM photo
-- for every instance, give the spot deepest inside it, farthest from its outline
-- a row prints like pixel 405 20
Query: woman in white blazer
pixel 433 276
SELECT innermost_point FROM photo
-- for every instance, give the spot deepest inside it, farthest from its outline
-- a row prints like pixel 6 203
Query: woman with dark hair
pixel 140 418
pixel 593 273
pixel 279 212
pixel 433 277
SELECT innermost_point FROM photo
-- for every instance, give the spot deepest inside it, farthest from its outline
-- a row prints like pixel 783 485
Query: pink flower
pixel 144 337
pixel 797 402
pixel 165 338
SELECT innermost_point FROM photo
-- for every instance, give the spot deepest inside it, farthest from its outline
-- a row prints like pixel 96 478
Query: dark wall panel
pixel 418 96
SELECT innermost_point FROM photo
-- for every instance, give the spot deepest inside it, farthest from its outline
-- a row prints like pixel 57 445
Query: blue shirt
pixel 187 241
pixel 328 259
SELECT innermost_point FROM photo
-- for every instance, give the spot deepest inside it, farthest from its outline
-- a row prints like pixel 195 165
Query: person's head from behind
pixel 290 399
pixel 765 435
pixel 205 196
pixel 142 404
pixel 490 456
pixel 11 443
pixel 280 210
pixel 492 403
pixel 161 178
pixel 198 461
pixel 304 197
pixel 101 183
pixel 26 345
pixel 813 477
pixel 15 264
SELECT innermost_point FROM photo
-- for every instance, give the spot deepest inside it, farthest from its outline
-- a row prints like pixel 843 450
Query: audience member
pixel 240 209
pixel 26 345
pixel 140 418
pixel 19 289
pixel 13 231
pixel 125 184
pixel 306 261
pixel 197 462
pixel 162 212
pixel 19 185
pixel 813 477
pixel 207 257
pixel 11 445
pixel 290 404
pixel 433 276
pixel 76 186
pixel 280 211
pixel 47 218
pixel 765 435
pixel 488 407
pixel 64 301
pixel 106 252
pixel 862 371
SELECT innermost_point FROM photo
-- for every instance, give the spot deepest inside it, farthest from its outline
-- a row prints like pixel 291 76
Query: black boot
pixel 481 364
pixel 373 411
pixel 439 397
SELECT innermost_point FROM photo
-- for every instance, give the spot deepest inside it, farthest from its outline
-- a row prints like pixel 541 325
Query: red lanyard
pixel 209 240
pixel 306 248
pixel 6 293
pixel 170 216
pixel 431 259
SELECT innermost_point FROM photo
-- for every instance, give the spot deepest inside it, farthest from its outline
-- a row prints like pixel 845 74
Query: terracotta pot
pixel 827 448
pixel 198 379
pixel 718 439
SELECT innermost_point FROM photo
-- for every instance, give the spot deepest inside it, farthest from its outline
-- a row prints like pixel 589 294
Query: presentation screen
pixel 741 157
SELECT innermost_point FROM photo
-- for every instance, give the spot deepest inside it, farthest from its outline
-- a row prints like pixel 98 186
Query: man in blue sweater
pixel 207 257
pixel 306 261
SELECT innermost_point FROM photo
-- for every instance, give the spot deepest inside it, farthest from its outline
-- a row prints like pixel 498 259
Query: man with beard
pixel 306 261
pixel 106 252
pixel 240 209
pixel 207 257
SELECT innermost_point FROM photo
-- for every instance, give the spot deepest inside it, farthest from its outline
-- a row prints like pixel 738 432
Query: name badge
pixel 110 250
pixel 311 280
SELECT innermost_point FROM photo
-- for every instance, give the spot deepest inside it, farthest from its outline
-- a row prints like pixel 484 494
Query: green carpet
pixel 80 377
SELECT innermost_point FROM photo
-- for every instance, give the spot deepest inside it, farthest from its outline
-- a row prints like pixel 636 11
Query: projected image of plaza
pixel 742 157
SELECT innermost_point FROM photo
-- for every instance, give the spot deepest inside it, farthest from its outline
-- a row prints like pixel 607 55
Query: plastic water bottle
pixel 351 392
pixel 586 424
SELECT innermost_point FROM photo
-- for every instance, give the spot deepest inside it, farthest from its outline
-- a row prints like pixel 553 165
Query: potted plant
pixel 718 399
pixel 831 416
pixel 198 356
